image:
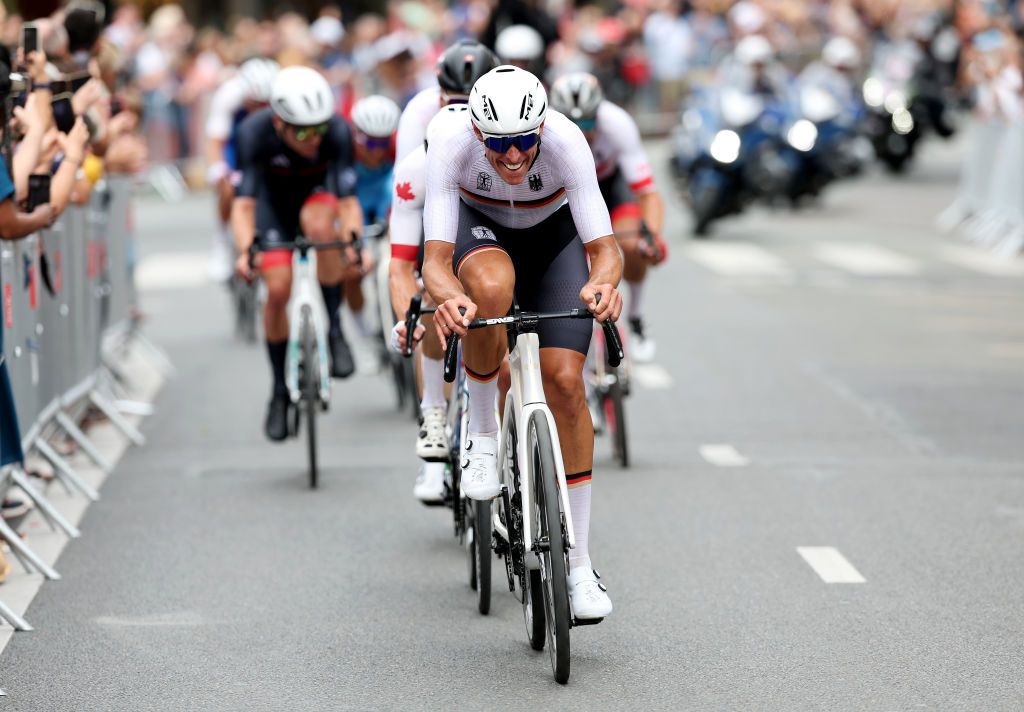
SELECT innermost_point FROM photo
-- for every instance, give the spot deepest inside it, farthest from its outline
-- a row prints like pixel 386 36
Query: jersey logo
pixel 535 182
pixel 404 191
pixel 280 160
pixel 483 182
pixel 483 233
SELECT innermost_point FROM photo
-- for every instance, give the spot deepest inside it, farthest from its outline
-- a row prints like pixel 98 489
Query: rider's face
pixel 512 165
pixel 305 141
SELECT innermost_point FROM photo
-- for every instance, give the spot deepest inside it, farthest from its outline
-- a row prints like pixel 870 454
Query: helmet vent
pixel 505 69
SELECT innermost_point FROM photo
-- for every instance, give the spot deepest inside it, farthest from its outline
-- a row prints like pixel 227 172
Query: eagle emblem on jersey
pixel 483 182
pixel 404 191
pixel 483 233
pixel 535 182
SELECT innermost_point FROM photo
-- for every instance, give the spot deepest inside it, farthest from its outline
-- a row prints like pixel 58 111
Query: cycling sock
pixel 579 507
pixel 433 383
pixel 332 300
pixel 278 350
pixel 636 300
pixel 483 391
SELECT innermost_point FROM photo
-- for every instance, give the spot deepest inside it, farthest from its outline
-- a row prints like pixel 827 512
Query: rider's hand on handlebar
pixel 656 254
pixel 398 334
pixel 245 269
pixel 610 305
pixel 448 320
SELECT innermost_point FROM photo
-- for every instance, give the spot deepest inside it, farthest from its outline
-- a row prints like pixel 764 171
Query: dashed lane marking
pixel 652 376
pixel 173 270
pixel 866 260
pixel 723 455
pixel 978 260
pixel 738 259
pixel 829 564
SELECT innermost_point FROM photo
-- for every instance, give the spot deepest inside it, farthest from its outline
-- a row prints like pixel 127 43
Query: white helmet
pixel 508 101
pixel 301 96
pixel 258 75
pixel 754 50
pixel 841 52
pixel 519 43
pixel 577 95
pixel 376 116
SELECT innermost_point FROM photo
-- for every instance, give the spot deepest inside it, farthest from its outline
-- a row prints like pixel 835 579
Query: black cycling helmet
pixel 462 64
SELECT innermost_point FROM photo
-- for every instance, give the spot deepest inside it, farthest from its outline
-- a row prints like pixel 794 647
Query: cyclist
pixel 239 96
pixel 406 261
pixel 457 69
pixel 374 120
pixel 297 176
pixel 513 210
pixel 627 185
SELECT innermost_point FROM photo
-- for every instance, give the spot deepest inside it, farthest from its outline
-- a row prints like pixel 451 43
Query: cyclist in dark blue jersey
pixel 298 177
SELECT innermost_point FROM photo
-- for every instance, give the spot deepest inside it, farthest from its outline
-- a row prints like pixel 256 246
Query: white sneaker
pixel 588 597
pixel 432 441
pixel 480 467
pixel 429 487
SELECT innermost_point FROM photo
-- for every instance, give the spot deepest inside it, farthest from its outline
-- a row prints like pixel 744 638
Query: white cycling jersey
pixel 563 171
pixel 412 126
pixel 227 100
pixel 617 147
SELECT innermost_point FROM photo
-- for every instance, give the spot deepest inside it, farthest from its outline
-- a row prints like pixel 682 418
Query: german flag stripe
pixel 579 479
pixel 557 195
pixel 482 248
pixel 478 377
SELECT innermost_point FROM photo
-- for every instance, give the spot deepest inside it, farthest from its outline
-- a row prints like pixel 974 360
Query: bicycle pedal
pixel 585 621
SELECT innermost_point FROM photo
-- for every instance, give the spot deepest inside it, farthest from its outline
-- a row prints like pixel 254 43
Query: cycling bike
pixel 307 368
pixel 607 389
pixel 403 371
pixel 531 520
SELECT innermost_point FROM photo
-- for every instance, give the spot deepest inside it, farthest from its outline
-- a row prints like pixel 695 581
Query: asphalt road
pixel 825 513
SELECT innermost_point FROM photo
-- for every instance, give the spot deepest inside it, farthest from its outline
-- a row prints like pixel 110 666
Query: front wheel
pixel 551 543
pixel 310 392
pixel 481 553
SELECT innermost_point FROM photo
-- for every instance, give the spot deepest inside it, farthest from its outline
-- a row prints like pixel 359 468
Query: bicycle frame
pixel 525 397
pixel 305 294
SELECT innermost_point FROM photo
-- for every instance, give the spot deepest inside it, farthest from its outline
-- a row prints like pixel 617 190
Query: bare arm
pixel 653 211
pixel 243 223
pixel 402 281
pixel 605 273
pixel 351 215
pixel 446 290
pixel 64 179
pixel 15 224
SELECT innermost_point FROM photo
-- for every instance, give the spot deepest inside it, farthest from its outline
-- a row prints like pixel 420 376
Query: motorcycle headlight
pixel 895 101
pixel 802 135
pixel 874 92
pixel 902 122
pixel 725 148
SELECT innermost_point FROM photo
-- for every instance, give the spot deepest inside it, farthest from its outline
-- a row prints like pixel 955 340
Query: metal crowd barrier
pixel 989 206
pixel 68 301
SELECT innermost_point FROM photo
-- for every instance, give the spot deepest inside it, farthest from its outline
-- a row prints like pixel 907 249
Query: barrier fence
pixel 989 207
pixel 68 299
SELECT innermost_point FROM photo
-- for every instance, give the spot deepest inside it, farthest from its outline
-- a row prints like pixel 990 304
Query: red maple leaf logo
pixel 404 191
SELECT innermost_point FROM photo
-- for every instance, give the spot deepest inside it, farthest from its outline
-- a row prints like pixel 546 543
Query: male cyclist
pixel 374 120
pixel 508 215
pixel 627 185
pixel 239 96
pixel 406 262
pixel 297 177
pixel 457 69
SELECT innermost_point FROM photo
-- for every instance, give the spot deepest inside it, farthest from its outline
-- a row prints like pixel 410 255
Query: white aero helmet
pixel 754 50
pixel 519 43
pixel 258 75
pixel 376 116
pixel 508 101
pixel 841 53
pixel 302 97
pixel 577 95
pixel 444 118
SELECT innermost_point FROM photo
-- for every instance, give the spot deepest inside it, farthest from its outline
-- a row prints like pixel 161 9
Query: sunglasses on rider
pixel 304 133
pixel 501 144
pixel 373 142
pixel 586 124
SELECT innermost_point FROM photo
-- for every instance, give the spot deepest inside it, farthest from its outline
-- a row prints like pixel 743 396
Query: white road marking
pixel 978 260
pixel 737 259
pixel 829 564
pixel 866 260
pixel 723 455
pixel 173 270
pixel 652 376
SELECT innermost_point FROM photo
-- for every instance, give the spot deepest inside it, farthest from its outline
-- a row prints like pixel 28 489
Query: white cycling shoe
pixel 588 597
pixel 480 468
pixel 429 487
pixel 432 441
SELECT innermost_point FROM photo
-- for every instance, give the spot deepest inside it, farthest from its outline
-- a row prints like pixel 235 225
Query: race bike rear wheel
pixel 615 416
pixel 551 544
pixel 310 401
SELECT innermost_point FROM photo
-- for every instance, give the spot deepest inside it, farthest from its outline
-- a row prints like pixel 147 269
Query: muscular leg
pixel 319 224
pixel 278 280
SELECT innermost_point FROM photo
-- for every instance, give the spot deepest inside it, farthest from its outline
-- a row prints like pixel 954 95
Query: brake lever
pixel 412 315
pixel 613 342
pixel 451 352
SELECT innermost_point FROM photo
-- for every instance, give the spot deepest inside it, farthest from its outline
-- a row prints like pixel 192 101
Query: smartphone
pixel 63 113
pixel 29 37
pixel 38 190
